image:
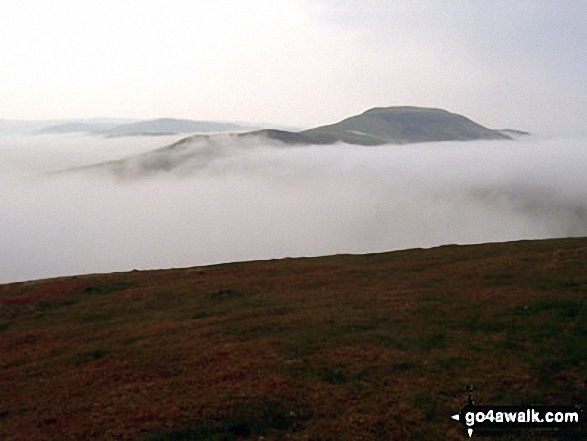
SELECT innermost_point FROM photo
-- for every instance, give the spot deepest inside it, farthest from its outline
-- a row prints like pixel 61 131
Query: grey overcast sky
pixel 503 63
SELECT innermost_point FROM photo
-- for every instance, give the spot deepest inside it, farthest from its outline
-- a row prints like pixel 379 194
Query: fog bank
pixel 241 199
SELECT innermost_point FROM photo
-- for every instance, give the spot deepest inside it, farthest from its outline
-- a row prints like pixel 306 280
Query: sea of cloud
pixel 231 198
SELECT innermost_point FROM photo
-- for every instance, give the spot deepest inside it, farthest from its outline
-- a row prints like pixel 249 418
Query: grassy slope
pixel 402 125
pixel 334 348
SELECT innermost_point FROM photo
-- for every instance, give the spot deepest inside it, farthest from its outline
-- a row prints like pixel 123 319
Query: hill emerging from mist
pixel 391 125
pixel 377 126
pixel 346 347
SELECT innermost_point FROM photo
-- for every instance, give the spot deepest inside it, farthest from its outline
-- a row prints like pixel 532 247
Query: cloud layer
pixel 241 199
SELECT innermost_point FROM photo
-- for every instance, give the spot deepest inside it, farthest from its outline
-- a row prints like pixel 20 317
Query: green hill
pixel 390 125
pixel 402 125
pixel 348 347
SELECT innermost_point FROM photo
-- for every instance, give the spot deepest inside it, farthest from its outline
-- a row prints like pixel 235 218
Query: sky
pixel 298 63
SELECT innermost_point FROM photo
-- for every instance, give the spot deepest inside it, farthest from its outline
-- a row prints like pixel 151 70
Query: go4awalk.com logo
pixel 540 420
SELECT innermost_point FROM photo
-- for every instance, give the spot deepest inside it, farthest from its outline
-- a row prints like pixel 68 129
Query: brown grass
pixel 334 348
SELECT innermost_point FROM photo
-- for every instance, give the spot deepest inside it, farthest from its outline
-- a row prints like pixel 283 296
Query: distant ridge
pixel 77 127
pixel 171 126
pixel 153 127
pixel 58 126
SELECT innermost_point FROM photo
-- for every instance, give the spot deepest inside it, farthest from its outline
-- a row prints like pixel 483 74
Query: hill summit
pixel 391 125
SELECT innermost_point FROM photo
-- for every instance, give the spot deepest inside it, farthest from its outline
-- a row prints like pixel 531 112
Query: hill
pixel 402 125
pixel 117 127
pixel 91 125
pixel 78 127
pixel 347 347
pixel 170 126
pixel 390 125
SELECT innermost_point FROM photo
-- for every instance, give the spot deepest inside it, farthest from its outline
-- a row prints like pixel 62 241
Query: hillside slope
pixel 372 347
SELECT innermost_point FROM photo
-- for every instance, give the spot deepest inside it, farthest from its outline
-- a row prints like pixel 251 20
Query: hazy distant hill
pixel 111 127
pixel 170 126
pixel 22 127
pixel 58 126
pixel 78 127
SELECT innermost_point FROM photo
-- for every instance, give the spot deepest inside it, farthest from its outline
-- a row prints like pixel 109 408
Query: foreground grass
pixel 334 348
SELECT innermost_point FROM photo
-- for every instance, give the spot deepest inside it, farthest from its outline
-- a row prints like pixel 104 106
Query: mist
pixel 228 198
